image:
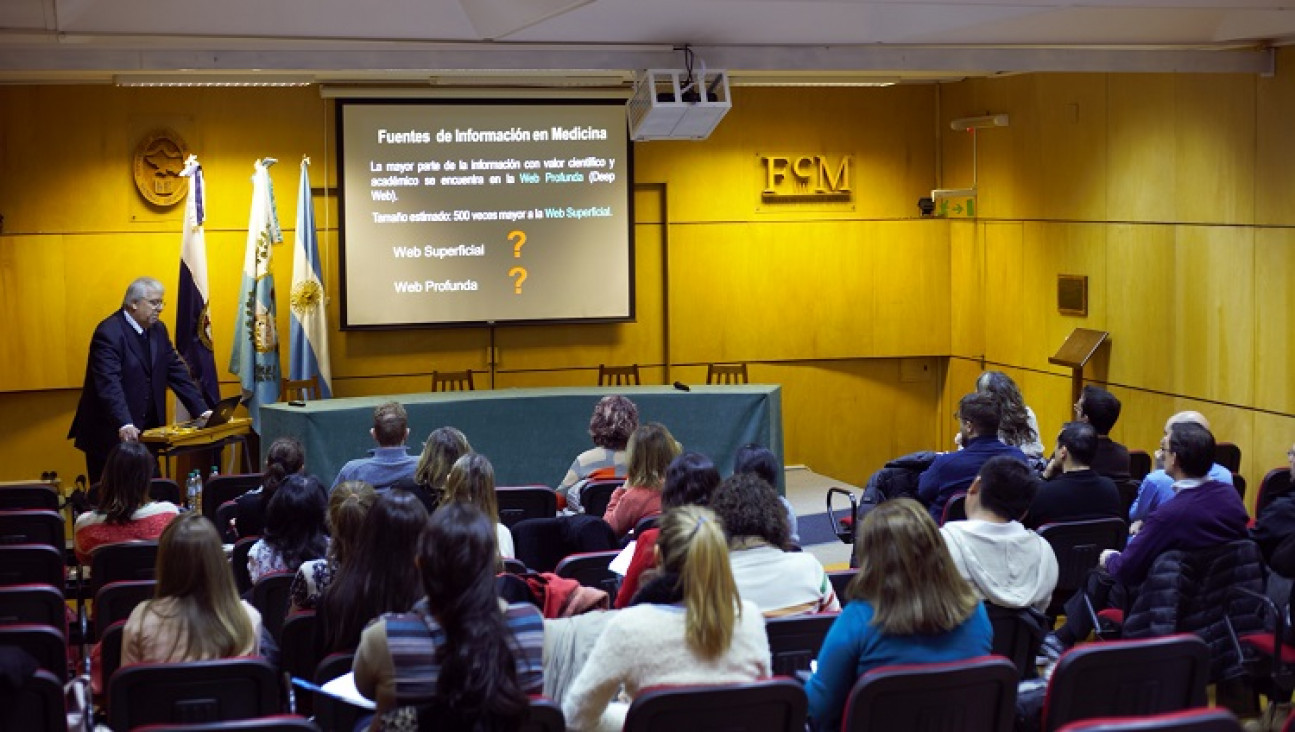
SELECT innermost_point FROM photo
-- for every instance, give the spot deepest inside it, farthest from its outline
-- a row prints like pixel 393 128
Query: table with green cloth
pixel 532 435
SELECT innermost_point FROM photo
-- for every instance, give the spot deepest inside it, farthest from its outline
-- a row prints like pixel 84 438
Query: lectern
pixel 1078 348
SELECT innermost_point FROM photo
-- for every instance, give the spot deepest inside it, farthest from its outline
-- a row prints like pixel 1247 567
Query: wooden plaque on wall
pixel 1072 294
pixel 158 160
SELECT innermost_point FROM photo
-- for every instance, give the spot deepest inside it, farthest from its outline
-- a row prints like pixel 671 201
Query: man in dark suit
pixel 131 364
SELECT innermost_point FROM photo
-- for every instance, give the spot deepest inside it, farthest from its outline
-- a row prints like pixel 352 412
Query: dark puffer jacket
pixel 1191 592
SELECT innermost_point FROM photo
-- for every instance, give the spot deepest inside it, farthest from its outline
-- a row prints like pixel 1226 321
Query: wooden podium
pixel 1077 350
pixel 173 440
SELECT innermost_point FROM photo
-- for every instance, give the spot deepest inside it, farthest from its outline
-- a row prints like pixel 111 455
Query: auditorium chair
pixel 840 579
pixel 333 714
pixel 35 496
pixel 1077 546
pixel 110 651
pixel 542 543
pixel 34 604
pixel 517 503
pixel 1205 719
pixel 25 564
pixel 192 692
pixel 770 705
pixel 36 706
pixel 300 652
pixel 545 715
pixel 596 494
pixel 794 641
pixel 724 373
pixel 1276 483
pixel 271 595
pixel 115 601
pixel 304 390
pixel 221 488
pixel 1127 677
pixel 45 643
pixel 238 563
pixel 619 375
pixel 452 381
pixel 978 693
pixel 590 569
pixel 955 509
pixel 1228 455
pixel 1017 635
pixel 32 526
pixel 1139 464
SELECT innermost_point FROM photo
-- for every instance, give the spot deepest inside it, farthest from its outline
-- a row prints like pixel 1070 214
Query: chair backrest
pixel 1127 677
pixel 1139 464
pixel 129 560
pixel 512 565
pixel 37 706
pixel 26 564
pixel 274 723
pixel 115 601
pixel 110 650
pixel 650 522
pixel 1206 719
pixel 618 375
pixel 238 563
pixel 795 641
pixel 772 705
pixel 192 692
pixel 1128 490
pixel 223 488
pixel 596 494
pixel 272 597
pixel 545 716
pixel 524 502
pixel 1228 455
pixel 32 526
pixel 726 373
pixel 299 654
pixel 1239 482
pixel 541 543
pixel 39 496
pixel 32 605
pixel 165 489
pixel 1276 482
pixel 590 569
pixel 299 389
pixel 1017 635
pixel 955 509
pixel 839 579
pixel 979 694
pixel 331 713
pixel 45 643
pixel 452 381
pixel 1077 545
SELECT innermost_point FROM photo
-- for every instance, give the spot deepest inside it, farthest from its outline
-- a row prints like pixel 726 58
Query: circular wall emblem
pixel 159 158
pixel 306 296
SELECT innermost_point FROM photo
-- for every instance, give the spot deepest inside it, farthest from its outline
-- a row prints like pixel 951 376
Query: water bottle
pixel 191 490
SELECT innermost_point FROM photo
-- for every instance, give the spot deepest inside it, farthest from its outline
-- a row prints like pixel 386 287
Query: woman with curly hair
pixel 650 450
pixel 907 604
pixel 614 419
pixel 285 458
pixel 296 528
pixel 444 446
pixel 778 581
pixel 1017 426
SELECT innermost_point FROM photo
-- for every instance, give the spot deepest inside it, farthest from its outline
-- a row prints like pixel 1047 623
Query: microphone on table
pixel 681 386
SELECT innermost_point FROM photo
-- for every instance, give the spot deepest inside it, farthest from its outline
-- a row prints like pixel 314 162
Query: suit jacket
pixel 121 378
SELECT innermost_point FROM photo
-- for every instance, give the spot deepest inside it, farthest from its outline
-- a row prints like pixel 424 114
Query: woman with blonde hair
pixel 195 613
pixel 907 604
pixel 472 480
pixel 348 504
pixel 686 626
pixel 443 447
pixel 649 453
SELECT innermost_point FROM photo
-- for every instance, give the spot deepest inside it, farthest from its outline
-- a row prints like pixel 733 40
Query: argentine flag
pixel 192 319
pixel 255 358
pixel 309 354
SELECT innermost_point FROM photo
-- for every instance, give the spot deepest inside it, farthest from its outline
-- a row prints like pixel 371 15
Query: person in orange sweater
pixel 650 450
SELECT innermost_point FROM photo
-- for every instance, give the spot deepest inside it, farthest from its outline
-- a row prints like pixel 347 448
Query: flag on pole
pixel 192 320
pixel 255 357
pixel 309 354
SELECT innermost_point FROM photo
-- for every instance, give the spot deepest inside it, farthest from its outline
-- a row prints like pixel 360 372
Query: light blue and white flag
pixel 309 355
pixel 192 319
pixel 255 358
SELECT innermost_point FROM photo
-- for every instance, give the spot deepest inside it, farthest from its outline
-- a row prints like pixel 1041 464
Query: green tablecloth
pixel 532 435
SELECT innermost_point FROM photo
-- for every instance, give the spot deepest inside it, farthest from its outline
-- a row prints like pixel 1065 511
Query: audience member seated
pixel 444 446
pixel 761 461
pixel 471 656
pixel 285 457
pixel 472 480
pixel 1206 513
pixel 1006 563
pixel 1099 408
pixel 650 450
pixel 714 638
pixel 195 614
pixel 614 419
pixel 1158 487
pixel 347 506
pixel 779 582
pixel 377 574
pixel 1275 529
pixel 1017 424
pixel 296 528
pixel 390 460
pixel 125 512
pixel 690 479
pixel 952 472
pixel 1077 492
pixel 907 604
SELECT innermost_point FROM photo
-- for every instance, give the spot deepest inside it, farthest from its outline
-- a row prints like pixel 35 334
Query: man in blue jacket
pixel 952 472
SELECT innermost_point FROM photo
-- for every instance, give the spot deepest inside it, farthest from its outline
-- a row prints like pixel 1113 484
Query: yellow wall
pixel 846 306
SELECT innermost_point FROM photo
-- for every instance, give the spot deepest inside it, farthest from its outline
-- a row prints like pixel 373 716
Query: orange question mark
pixel 520 238
pixel 520 274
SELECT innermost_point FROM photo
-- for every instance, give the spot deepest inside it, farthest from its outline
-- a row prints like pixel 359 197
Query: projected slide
pixel 479 213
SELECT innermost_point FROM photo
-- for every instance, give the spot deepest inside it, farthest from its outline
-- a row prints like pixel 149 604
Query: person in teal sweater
pixel 907 604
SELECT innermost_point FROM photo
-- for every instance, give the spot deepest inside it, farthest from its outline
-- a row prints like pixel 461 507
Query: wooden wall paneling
pixel 967 324
pixel 1072 120
pixel 35 299
pixel 1274 145
pixel 1141 285
pixel 1051 249
pixel 1215 153
pixel 1142 148
pixel 1274 319
pixel 1005 335
pixel 34 435
pixel 910 287
pixel 1214 314
pixel 959 379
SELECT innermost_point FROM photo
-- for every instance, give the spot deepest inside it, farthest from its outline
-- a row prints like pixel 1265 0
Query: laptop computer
pixel 224 409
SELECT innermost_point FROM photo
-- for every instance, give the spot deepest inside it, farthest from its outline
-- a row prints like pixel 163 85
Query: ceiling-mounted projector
pixel 674 104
